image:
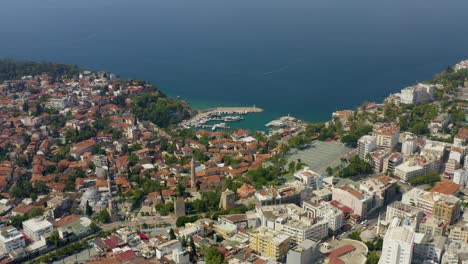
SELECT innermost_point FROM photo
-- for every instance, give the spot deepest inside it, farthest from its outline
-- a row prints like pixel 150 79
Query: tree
pixel 292 166
pixel 329 170
pixel 93 226
pixel 193 247
pixel 180 189
pixel 355 235
pixel 133 159
pixel 88 209
pixel 104 216
pixel 213 256
pixel 41 187
pixel 373 258
pixel 172 235
pixel 54 238
pixel 427 178
pixel 36 211
pixel 181 221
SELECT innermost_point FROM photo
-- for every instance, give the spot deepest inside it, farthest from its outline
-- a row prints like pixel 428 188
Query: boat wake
pixel 278 70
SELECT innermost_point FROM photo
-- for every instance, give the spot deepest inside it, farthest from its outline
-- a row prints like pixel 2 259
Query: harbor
pixel 209 118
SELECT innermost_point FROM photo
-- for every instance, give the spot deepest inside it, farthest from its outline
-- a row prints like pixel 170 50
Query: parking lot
pixel 320 155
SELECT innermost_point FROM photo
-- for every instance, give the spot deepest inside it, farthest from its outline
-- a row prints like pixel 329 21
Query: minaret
pixel 192 174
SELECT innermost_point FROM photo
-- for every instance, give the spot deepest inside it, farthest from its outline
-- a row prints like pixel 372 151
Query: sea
pixel 305 58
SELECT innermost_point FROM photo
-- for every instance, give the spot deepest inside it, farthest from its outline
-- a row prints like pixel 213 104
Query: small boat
pixel 232 118
pixel 220 125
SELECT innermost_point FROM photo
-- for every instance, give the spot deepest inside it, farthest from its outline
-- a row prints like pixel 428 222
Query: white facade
pixel 397 246
pixel 411 215
pixel 408 170
pixel 293 221
pixel 37 227
pixel 309 178
pixel 432 250
pixel 417 94
pixel 409 145
pixel 388 135
pixel 332 215
pixel 10 239
pixel 460 177
pixel 451 166
pixel 167 248
pixel 366 144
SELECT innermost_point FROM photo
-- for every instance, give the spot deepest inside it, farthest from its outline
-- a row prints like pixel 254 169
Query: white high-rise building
pixel 387 135
pixel 366 144
pixel 417 94
pixel 409 145
pixel 398 245
pixel 459 177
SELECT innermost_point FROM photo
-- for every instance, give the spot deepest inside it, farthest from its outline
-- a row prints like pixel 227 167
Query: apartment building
pixel 359 202
pixel 293 221
pixel 417 94
pixel 332 215
pixel 387 135
pixel 10 239
pixel 36 227
pixel 432 227
pixel 440 206
pixel 366 144
pixel 269 243
pixel 407 213
pixel 392 161
pixel 309 178
pixel 381 187
pixel 398 245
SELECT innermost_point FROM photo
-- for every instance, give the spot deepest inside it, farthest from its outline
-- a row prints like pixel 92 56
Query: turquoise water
pixel 307 58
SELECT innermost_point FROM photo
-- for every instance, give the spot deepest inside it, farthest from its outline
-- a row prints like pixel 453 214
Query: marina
pixel 208 118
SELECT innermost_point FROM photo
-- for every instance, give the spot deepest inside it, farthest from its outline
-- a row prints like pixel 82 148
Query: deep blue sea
pixel 306 58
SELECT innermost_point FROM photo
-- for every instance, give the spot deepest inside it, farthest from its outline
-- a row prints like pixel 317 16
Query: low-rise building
pixel 309 178
pixel 439 123
pixel 36 227
pixel 167 248
pixel 461 137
